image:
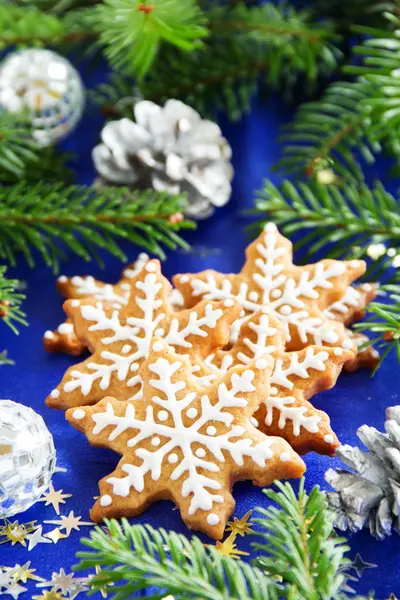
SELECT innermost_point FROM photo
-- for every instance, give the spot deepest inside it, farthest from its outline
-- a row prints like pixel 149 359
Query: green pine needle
pixel 354 120
pixel 299 543
pixel 132 31
pixel 275 44
pixel 4 360
pixel 383 320
pixel 10 303
pixel 299 557
pixel 136 558
pixel 341 219
pixel 51 219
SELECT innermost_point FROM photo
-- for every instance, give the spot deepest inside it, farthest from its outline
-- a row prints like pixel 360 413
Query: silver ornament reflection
pixel 27 458
pixel 47 87
pixel 171 149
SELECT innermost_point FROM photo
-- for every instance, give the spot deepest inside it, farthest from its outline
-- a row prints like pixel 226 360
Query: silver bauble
pixel 169 148
pixel 27 458
pixel 44 86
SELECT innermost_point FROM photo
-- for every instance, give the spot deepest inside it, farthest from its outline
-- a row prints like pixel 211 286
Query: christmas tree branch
pixel 131 31
pixel 10 303
pixel 275 41
pixel 353 120
pixel 299 549
pixel 383 320
pixel 298 543
pixel 343 219
pixel 51 219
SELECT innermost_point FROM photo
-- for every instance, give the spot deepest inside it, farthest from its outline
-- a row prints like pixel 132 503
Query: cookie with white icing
pixel 295 378
pixel 119 338
pixel 348 310
pixel 64 339
pixel 185 442
pixel 298 295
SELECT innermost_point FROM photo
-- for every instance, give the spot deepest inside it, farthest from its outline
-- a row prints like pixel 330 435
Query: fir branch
pixel 10 304
pixel 353 120
pixel 17 147
pixel 343 219
pixel 51 219
pixel 275 42
pixel 136 558
pixel 131 31
pixel 299 544
pixel 383 320
pixel 309 563
pixel 23 26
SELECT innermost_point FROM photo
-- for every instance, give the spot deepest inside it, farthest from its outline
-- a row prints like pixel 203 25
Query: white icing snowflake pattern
pixel 261 334
pixel 187 432
pixel 270 279
pixel 121 338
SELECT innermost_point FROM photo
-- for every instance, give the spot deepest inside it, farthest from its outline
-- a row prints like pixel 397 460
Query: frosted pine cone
pixel 170 149
pixel 369 496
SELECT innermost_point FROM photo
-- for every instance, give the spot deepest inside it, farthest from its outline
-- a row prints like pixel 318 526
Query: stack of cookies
pixel 210 383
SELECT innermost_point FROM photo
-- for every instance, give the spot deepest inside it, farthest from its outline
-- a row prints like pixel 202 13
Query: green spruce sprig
pixel 342 219
pixel 131 31
pixel 273 44
pixel 10 303
pixel 297 545
pixel 383 321
pixel 52 219
pixel 354 120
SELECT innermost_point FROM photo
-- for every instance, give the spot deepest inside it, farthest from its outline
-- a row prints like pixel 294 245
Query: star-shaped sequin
pixel 185 431
pixel 359 565
pixel 8 583
pixel 228 547
pixel 21 573
pixel 298 295
pixel 240 526
pixel 16 533
pixel 120 339
pixel 55 535
pixel 55 498
pixel 48 595
pixel 69 523
pixel 36 538
pixel 66 583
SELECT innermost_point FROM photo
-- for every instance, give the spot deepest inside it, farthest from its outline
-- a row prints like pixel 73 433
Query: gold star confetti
pixel 69 523
pixel 65 583
pixel 16 533
pixel 102 590
pixel 228 547
pixel 8 585
pixel 22 573
pixel 55 535
pixel 55 498
pixel 240 526
pixel 48 595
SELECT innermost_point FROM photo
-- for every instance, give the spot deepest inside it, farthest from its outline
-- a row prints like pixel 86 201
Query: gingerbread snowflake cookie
pixel 295 378
pixel 298 295
pixel 184 442
pixel 348 310
pixel 119 338
pixel 64 339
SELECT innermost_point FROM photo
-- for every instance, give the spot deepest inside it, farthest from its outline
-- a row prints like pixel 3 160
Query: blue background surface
pixel 356 399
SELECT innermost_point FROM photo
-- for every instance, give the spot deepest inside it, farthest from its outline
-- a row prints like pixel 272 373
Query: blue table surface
pixel 218 243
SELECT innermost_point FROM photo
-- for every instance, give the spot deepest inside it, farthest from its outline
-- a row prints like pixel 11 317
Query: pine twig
pixel 299 545
pixel 4 360
pixel 343 219
pixel 299 549
pixel 131 31
pixel 10 303
pixel 383 320
pixel 276 42
pixel 353 120
pixel 51 219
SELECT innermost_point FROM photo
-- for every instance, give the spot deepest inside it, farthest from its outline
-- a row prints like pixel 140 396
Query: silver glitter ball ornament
pixel 46 87
pixel 27 458
pixel 169 148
